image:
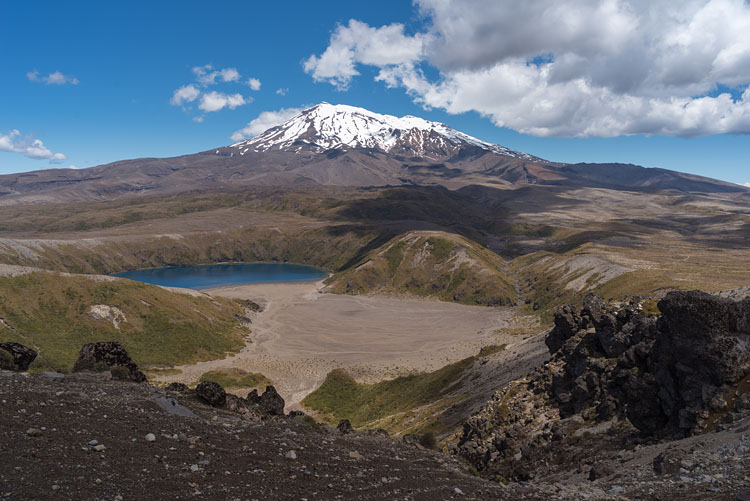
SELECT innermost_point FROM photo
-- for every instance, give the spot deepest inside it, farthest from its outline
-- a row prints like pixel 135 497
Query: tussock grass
pixel 49 312
pixel 446 266
pixel 236 378
pixel 341 397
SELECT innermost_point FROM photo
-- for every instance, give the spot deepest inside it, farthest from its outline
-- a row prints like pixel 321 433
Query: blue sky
pixel 120 63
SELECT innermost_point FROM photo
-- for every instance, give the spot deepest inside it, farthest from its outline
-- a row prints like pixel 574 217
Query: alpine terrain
pixel 339 145
pixel 492 325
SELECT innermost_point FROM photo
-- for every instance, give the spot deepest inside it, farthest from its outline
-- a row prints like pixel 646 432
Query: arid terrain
pixel 302 334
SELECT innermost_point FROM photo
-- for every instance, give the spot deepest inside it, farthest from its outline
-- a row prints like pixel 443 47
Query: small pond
pixel 217 275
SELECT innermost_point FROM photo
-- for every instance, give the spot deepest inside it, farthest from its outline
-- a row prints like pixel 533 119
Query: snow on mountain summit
pixel 328 126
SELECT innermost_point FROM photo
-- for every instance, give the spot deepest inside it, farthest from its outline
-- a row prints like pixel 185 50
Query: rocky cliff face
pixel 615 369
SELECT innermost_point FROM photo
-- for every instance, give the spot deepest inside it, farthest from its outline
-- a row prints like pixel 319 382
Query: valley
pixel 448 259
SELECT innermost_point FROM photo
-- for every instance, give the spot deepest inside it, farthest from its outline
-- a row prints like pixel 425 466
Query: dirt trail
pixel 303 333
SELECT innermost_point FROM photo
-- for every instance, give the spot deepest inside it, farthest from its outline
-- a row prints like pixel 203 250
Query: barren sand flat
pixel 303 333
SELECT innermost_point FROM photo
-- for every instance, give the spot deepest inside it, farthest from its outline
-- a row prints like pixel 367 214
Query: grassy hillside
pixel 406 404
pixel 52 314
pixel 341 397
pixel 326 247
pixel 236 378
pixel 438 264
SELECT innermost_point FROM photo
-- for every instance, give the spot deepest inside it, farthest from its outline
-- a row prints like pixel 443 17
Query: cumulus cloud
pixel 29 147
pixel 205 76
pixel 74 167
pixel 591 68
pixel 211 101
pixel 282 91
pixel 747 184
pixel 185 94
pixel 55 78
pixel 359 43
pixel 215 101
pixel 265 121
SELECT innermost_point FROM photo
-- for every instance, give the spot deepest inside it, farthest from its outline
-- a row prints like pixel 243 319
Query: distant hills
pixel 339 145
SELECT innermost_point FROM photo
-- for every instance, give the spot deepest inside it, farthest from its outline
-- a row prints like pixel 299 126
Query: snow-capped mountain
pixel 337 126
pixel 343 146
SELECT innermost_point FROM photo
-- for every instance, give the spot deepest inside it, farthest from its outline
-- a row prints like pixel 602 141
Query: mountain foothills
pixel 338 145
pixel 527 318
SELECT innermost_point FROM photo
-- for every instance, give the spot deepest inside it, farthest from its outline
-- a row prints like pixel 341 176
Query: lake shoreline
pixel 210 276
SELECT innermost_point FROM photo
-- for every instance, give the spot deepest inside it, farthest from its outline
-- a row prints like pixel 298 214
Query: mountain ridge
pixel 326 126
pixel 340 145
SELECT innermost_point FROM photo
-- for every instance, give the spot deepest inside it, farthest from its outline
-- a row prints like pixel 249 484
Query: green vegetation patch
pixel 51 313
pixel 341 397
pixel 236 378
pixel 447 267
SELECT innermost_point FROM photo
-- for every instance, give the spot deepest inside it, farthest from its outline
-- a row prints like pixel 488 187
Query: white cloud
pixel 55 78
pixel 265 121
pixel 591 68
pixel 74 167
pixel 282 91
pixel 211 101
pixel 206 77
pixel 746 184
pixel 215 101
pixel 29 147
pixel 185 94
pixel 359 43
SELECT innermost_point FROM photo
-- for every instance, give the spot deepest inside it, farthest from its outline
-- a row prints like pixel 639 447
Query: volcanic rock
pixel 212 393
pixel 108 355
pixel 345 426
pixel 271 403
pixel 611 364
pixel 21 357
pixel 177 387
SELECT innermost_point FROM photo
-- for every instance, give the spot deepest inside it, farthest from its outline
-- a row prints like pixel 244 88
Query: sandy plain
pixel 304 332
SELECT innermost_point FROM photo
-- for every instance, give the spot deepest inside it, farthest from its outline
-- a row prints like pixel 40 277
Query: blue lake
pixel 216 275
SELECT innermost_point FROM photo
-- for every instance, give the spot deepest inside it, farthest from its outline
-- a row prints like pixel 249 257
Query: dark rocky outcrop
pixel 108 355
pixel 177 387
pixel 270 403
pixel 671 375
pixel 345 427
pixel 16 357
pixel 212 393
pixel 241 406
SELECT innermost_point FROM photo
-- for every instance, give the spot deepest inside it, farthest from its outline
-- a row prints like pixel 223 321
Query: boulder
pixel 240 406
pixel 19 359
pixel 177 387
pixel 593 307
pixel 668 462
pixel 271 403
pixel 212 393
pixel 567 323
pixel 108 355
pixel 345 427
pixel 253 398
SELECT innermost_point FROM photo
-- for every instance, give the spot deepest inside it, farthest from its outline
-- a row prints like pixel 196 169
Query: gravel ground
pixel 47 451
pixel 85 437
